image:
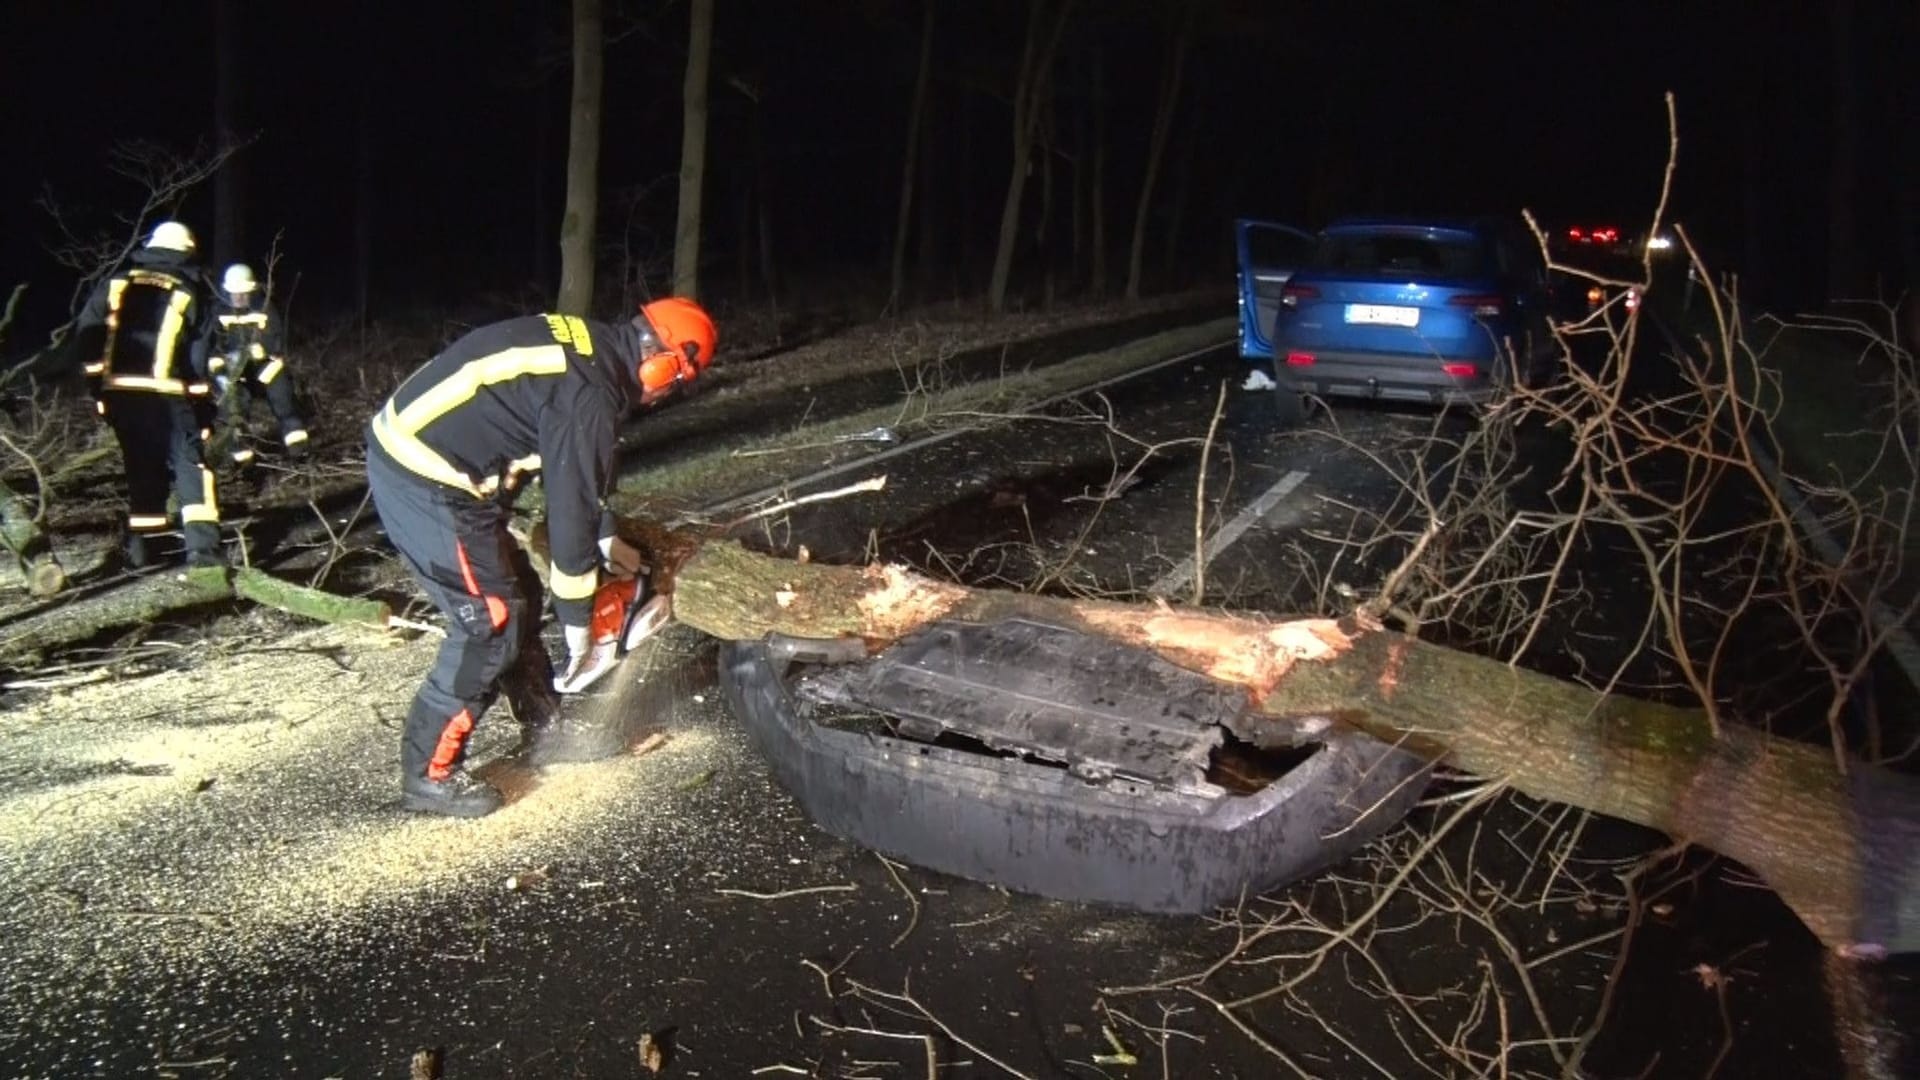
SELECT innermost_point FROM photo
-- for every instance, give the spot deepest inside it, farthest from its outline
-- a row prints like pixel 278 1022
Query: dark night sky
pixel 1296 111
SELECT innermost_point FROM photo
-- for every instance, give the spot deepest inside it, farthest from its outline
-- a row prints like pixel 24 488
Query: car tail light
pixel 1291 295
pixel 1460 369
pixel 1575 234
pixel 1300 359
pixel 1485 307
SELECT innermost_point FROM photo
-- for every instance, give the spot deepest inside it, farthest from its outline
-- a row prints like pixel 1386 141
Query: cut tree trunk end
pixel 1843 851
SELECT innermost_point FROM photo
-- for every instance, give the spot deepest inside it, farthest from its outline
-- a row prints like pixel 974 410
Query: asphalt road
pixel 249 904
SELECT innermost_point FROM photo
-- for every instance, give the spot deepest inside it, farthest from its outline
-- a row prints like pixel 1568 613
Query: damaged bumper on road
pixel 1057 763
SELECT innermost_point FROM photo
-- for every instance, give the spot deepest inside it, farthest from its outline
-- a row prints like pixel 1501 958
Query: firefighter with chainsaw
pixel 248 359
pixel 445 457
pixel 144 337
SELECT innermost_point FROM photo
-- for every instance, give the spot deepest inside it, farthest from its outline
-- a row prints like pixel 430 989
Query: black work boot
pixel 459 795
pixel 133 552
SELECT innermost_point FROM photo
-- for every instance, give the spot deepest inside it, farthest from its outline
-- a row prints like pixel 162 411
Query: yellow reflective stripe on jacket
pixel 251 318
pixel 151 385
pixel 270 372
pixel 459 388
pixel 417 457
pixel 170 325
pixel 567 586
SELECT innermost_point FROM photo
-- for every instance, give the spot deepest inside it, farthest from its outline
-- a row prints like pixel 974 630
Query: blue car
pixel 1406 309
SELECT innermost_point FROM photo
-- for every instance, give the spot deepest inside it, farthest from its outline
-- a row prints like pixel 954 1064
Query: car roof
pixel 1435 223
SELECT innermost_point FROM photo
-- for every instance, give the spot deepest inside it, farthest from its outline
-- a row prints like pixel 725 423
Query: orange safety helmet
pixel 687 340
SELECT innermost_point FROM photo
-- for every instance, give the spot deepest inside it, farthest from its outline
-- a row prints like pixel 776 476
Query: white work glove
pixel 581 659
pixel 622 558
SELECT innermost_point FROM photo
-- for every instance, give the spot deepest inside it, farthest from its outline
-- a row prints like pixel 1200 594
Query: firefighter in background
pixel 144 336
pixel 248 358
pixel 445 457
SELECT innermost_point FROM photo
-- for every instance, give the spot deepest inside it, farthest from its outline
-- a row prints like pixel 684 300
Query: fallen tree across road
pixel 1842 851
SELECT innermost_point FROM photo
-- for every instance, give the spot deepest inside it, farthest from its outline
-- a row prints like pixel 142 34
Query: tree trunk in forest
pixel 1042 250
pixel 1842 851
pixel 915 114
pixel 1098 197
pixel 363 207
pixel 936 191
pixel 763 212
pixel 1842 179
pixel 693 151
pixel 1170 80
pixel 1029 93
pixel 228 233
pixel 1183 151
pixel 1077 234
pixel 579 224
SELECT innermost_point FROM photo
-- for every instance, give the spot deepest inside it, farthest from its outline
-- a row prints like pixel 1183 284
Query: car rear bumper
pixel 1034 829
pixel 1391 377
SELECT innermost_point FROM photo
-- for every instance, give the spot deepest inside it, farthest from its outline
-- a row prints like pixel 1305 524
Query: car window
pixel 1276 248
pixel 1442 256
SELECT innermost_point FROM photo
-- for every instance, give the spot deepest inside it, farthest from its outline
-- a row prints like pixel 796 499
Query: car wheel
pixel 1290 403
pixel 1061 764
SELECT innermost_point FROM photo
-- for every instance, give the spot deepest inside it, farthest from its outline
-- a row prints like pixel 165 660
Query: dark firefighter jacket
pixel 249 344
pixel 148 327
pixel 540 393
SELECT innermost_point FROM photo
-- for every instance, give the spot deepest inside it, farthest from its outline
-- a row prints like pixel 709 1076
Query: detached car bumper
pixel 1054 763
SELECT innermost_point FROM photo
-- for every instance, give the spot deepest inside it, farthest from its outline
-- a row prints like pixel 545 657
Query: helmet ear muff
pixel 663 370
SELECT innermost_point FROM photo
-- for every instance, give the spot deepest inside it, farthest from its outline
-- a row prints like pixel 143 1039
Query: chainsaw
pixel 625 613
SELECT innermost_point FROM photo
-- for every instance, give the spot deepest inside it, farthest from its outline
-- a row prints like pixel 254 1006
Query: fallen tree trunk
pixel 28 545
pixel 157 597
pixel 1843 851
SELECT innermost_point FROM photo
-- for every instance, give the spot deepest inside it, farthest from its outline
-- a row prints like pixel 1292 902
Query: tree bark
pixel 158 597
pixel 1842 851
pixel 693 151
pixel 1036 63
pixel 363 204
pixel 1098 197
pixel 915 114
pixel 29 545
pixel 1842 180
pixel 1157 147
pixel 1183 154
pixel 580 221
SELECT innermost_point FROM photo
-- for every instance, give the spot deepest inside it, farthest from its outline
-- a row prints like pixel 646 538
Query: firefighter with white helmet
pixel 249 358
pixel 143 337
pixel 445 458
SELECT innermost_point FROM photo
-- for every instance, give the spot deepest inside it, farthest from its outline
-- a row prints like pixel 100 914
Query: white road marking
pixel 1182 572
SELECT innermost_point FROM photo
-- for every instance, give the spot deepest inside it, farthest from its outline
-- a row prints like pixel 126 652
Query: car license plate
pixel 1383 315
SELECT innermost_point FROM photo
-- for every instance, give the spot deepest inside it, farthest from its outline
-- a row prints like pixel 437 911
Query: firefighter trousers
pixel 159 436
pixel 458 549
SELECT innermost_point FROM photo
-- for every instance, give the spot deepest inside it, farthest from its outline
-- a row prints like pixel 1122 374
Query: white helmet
pixel 171 235
pixel 238 280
